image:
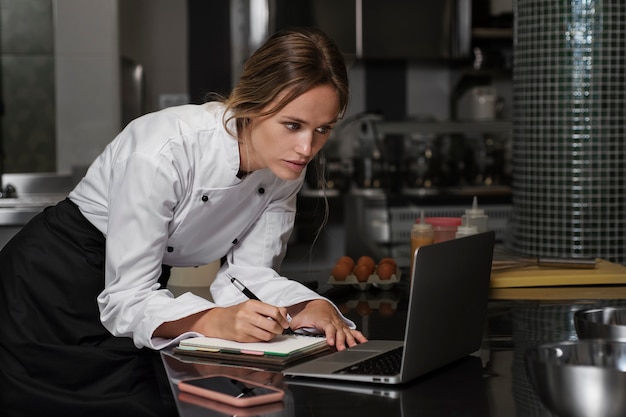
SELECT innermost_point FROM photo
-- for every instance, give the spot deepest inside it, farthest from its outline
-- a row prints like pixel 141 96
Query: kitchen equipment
pixel 480 103
pixel 327 174
pixel 441 156
pixel 601 323
pixel 585 378
pixel 422 161
pixel 431 173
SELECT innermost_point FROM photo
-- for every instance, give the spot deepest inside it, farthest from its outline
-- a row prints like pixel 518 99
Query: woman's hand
pixel 250 321
pixel 322 315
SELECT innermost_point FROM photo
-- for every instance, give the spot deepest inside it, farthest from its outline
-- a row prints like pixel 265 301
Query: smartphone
pixel 232 391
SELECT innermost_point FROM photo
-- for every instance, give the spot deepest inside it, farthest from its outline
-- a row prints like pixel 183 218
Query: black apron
pixel 56 357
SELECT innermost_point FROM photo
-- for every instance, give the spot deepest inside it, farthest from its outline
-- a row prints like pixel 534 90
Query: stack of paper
pixel 280 350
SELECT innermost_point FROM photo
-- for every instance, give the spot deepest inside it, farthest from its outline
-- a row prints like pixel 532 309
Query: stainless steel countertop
pixel 35 191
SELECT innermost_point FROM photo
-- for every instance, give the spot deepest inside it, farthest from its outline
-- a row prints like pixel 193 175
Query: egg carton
pixel 372 281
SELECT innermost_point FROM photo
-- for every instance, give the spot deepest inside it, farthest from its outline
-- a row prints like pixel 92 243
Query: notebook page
pixel 280 345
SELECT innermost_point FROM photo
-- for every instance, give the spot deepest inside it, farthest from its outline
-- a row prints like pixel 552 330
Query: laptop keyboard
pixel 387 363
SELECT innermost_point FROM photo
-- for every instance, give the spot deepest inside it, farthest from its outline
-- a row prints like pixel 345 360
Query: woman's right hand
pixel 250 321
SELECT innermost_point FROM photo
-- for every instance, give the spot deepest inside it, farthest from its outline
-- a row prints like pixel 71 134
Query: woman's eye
pixel 292 126
pixel 323 130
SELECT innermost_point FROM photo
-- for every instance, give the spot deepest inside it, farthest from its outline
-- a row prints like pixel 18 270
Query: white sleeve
pixel 142 198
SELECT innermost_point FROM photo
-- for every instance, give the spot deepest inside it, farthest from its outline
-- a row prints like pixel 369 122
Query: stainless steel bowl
pixel 585 378
pixel 601 323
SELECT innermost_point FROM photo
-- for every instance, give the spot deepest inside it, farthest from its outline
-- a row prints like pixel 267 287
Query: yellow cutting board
pixel 605 272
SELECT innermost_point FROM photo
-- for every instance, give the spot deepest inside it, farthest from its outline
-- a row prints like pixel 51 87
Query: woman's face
pixel 287 140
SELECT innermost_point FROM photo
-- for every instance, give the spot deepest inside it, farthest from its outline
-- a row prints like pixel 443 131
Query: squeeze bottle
pixel 422 233
pixel 476 217
pixel 465 230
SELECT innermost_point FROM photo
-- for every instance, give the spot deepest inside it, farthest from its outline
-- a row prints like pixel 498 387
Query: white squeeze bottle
pixel 476 217
pixel 465 230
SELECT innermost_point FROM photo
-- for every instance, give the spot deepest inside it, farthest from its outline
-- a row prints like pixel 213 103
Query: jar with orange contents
pixel 422 233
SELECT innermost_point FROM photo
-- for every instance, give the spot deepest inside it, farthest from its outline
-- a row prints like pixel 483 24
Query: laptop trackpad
pixel 347 357
pixel 331 363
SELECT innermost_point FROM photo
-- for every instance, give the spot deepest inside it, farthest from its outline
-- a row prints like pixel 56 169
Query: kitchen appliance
pixel 382 174
pixel 439 169
pixel 480 103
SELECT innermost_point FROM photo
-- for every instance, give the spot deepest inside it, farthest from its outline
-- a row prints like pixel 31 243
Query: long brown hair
pixel 292 61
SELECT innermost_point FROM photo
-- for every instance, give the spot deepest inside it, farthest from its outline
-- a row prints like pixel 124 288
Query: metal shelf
pixel 461 127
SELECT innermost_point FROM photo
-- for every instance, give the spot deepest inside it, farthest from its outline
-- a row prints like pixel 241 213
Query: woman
pixel 84 309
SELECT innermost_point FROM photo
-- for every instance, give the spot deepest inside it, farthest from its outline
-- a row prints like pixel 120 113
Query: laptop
pixel 447 308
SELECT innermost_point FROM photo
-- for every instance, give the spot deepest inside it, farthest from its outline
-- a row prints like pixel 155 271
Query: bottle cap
pixel 421 225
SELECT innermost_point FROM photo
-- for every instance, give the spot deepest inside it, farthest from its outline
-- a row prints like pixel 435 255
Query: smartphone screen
pixel 231 387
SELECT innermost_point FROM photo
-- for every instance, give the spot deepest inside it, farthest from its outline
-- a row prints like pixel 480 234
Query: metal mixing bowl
pixel 601 323
pixel 585 378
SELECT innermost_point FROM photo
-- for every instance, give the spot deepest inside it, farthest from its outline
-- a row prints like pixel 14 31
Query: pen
pixel 243 288
pixel 239 285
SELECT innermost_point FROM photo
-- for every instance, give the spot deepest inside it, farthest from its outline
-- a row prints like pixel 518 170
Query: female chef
pixel 83 306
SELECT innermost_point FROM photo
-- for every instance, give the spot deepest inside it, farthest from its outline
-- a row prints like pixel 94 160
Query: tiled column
pixel 569 129
pixel 27 75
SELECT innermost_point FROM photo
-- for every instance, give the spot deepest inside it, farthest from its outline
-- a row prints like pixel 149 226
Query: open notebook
pixel 282 349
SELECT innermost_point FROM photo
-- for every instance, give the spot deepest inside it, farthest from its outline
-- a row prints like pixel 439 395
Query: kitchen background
pixel 63 63
pixel 73 72
pixel 428 128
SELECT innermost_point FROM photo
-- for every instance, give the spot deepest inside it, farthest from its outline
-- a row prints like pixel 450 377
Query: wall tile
pixel 26 26
pixel 28 126
pixel 28 92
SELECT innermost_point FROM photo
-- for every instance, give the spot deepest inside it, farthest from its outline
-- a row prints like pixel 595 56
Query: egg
pixel 388 261
pixel 347 261
pixel 366 260
pixel 362 272
pixel 385 270
pixel 340 272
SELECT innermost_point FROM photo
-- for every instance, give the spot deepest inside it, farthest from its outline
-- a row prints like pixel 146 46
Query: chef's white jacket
pixel 165 191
